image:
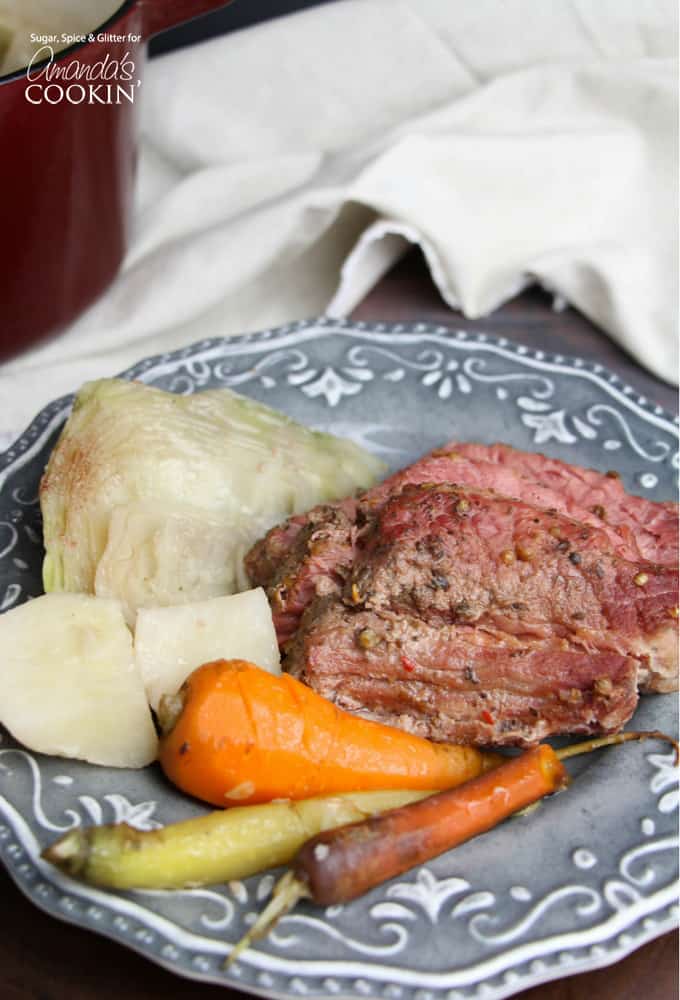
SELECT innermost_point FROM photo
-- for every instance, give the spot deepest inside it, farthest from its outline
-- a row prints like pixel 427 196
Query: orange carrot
pixel 355 858
pixel 235 734
pixel 338 865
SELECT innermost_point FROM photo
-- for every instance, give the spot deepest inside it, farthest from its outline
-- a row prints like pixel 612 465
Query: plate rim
pixel 570 364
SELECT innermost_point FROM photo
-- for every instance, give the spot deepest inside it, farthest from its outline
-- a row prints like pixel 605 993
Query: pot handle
pixel 158 15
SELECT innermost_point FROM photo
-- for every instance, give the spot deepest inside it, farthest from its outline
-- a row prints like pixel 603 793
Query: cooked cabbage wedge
pixel 168 554
pixel 136 469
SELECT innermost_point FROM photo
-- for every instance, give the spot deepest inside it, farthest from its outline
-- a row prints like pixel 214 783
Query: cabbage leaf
pixel 153 498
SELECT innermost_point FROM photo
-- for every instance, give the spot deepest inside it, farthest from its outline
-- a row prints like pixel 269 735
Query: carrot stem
pixel 613 740
pixel 288 891
pixel 169 710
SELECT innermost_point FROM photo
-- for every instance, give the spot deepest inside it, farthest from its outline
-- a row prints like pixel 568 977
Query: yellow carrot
pixel 220 846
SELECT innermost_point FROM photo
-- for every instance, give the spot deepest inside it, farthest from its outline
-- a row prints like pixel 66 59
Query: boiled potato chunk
pixel 69 684
pixel 172 642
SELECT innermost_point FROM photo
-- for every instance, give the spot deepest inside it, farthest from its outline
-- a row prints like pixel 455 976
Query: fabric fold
pixel 284 168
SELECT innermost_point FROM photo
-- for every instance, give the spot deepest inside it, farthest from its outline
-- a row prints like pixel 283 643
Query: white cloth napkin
pixel 283 169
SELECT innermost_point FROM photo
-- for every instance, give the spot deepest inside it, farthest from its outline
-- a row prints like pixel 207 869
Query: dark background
pixel 238 14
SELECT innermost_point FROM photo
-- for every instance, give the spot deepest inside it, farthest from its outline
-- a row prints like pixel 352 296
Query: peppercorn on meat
pixel 312 554
pixel 464 614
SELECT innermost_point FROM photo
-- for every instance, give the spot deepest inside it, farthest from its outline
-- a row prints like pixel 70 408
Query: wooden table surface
pixel 44 959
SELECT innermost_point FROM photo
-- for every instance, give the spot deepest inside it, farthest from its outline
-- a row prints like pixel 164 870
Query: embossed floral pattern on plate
pixel 589 876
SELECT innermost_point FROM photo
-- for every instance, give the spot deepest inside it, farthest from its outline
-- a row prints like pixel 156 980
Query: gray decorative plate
pixel 585 879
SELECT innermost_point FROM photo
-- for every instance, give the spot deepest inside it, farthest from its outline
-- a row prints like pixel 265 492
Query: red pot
pixel 68 146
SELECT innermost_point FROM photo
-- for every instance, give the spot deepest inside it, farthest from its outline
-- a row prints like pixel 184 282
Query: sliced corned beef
pixel 457 683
